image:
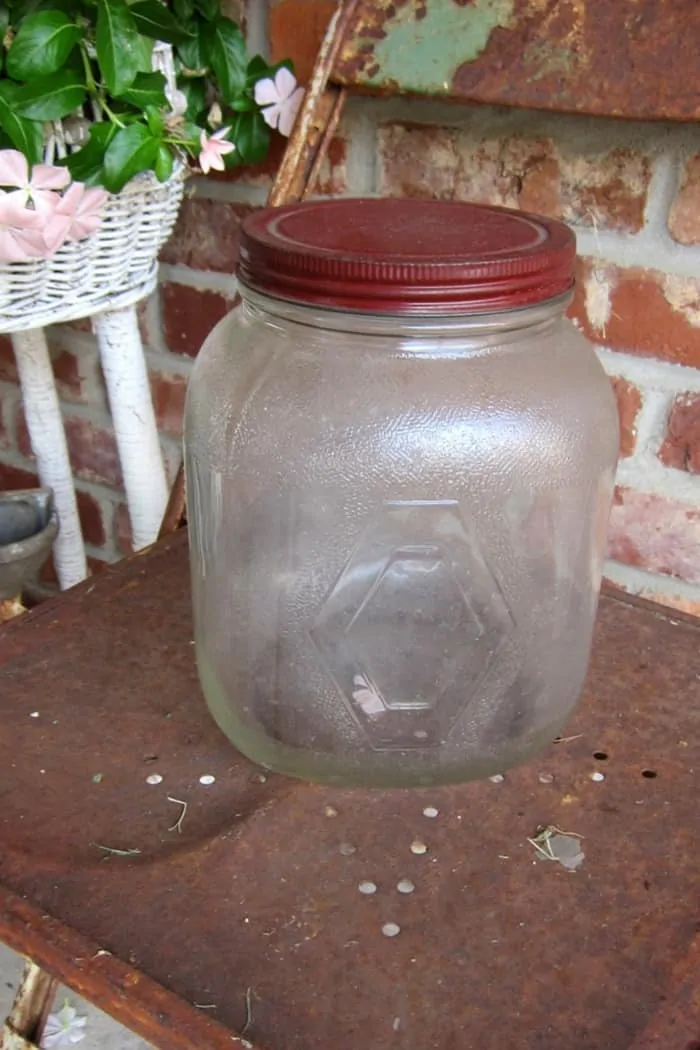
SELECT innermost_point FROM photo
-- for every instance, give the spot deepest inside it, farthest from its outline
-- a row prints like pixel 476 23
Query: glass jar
pixel 399 467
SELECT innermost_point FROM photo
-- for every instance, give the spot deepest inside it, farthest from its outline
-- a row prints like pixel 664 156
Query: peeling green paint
pixel 423 55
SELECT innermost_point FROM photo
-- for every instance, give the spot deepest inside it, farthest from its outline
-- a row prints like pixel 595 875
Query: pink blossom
pixel 77 215
pixel 281 98
pixel 40 187
pixel 21 229
pixel 214 149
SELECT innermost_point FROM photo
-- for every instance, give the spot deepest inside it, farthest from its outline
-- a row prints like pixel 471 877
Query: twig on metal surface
pixel 541 840
pixel 248 1010
pixel 112 851
pixel 177 826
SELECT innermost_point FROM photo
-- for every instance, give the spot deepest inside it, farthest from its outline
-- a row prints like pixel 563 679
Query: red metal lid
pixel 406 256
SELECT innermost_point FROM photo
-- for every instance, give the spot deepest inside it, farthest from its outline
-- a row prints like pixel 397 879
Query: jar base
pixel 378 769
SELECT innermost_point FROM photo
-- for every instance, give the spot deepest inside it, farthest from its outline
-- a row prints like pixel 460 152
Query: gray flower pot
pixel 28 527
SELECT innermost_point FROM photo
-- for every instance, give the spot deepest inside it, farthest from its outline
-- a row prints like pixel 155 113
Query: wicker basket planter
pixel 113 267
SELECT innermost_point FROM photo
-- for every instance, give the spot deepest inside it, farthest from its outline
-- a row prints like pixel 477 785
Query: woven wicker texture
pixel 113 268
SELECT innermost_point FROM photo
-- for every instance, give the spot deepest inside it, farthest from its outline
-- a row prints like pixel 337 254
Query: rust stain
pixel 632 58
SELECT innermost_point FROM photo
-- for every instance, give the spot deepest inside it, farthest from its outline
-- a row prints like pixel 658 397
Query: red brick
pixel 206 235
pixel 297 28
pixel 656 534
pixel 66 370
pixel 604 190
pixel 6 428
pixel 189 315
pixel 682 445
pixel 646 312
pixel 684 216
pixel 168 393
pixel 8 368
pixel 629 402
pixel 90 514
pixel 13 478
pixel 93 452
pixel 69 366
pixel 121 527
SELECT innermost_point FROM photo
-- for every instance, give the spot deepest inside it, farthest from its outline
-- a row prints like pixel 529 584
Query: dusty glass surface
pixel 397 528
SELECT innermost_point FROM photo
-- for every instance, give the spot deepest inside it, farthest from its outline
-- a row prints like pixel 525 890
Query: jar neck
pixel 460 326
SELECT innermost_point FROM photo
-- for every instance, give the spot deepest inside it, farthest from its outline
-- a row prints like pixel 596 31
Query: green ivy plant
pixel 67 59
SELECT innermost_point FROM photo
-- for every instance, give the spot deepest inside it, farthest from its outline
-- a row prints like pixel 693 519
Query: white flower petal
pixel 285 82
pixel 265 92
pixel 289 110
pixel 271 115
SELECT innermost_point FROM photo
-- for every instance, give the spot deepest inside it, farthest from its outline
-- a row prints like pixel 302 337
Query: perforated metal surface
pixel 252 909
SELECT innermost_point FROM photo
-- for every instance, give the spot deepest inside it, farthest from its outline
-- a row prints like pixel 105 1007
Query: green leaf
pixel 154 20
pixel 51 98
pixel 155 121
pixel 195 92
pixel 144 54
pixel 25 8
pixel 131 151
pixel 251 136
pixel 190 136
pixel 119 47
pixel 164 164
pixel 4 19
pixel 210 9
pixel 42 45
pixel 258 69
pixel 184 9
pixel 86 164
pixel 191 52
pixel 26 136
pixel 226 52
pixel 243 104
pixel 148 89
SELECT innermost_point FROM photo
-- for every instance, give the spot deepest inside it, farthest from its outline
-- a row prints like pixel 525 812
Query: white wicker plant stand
pixel 102 277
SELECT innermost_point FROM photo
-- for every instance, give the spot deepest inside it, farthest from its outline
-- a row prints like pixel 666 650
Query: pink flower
pixel 40 187
pixel 214 149
pixel 21 230
pixel 282 99
pixel 77 215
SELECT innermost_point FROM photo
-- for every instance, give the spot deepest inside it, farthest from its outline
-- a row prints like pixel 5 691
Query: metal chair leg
pixel 25 1024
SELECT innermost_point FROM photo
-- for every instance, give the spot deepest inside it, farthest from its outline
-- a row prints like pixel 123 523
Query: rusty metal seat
pixel 191 911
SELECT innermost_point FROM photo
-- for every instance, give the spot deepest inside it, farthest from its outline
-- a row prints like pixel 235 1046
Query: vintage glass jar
pixel 399 467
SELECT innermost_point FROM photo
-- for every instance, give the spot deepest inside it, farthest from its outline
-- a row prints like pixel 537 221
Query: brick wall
pixel 632 193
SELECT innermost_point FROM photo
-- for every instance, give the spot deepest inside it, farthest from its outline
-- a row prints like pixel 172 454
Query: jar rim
pixel 395 256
